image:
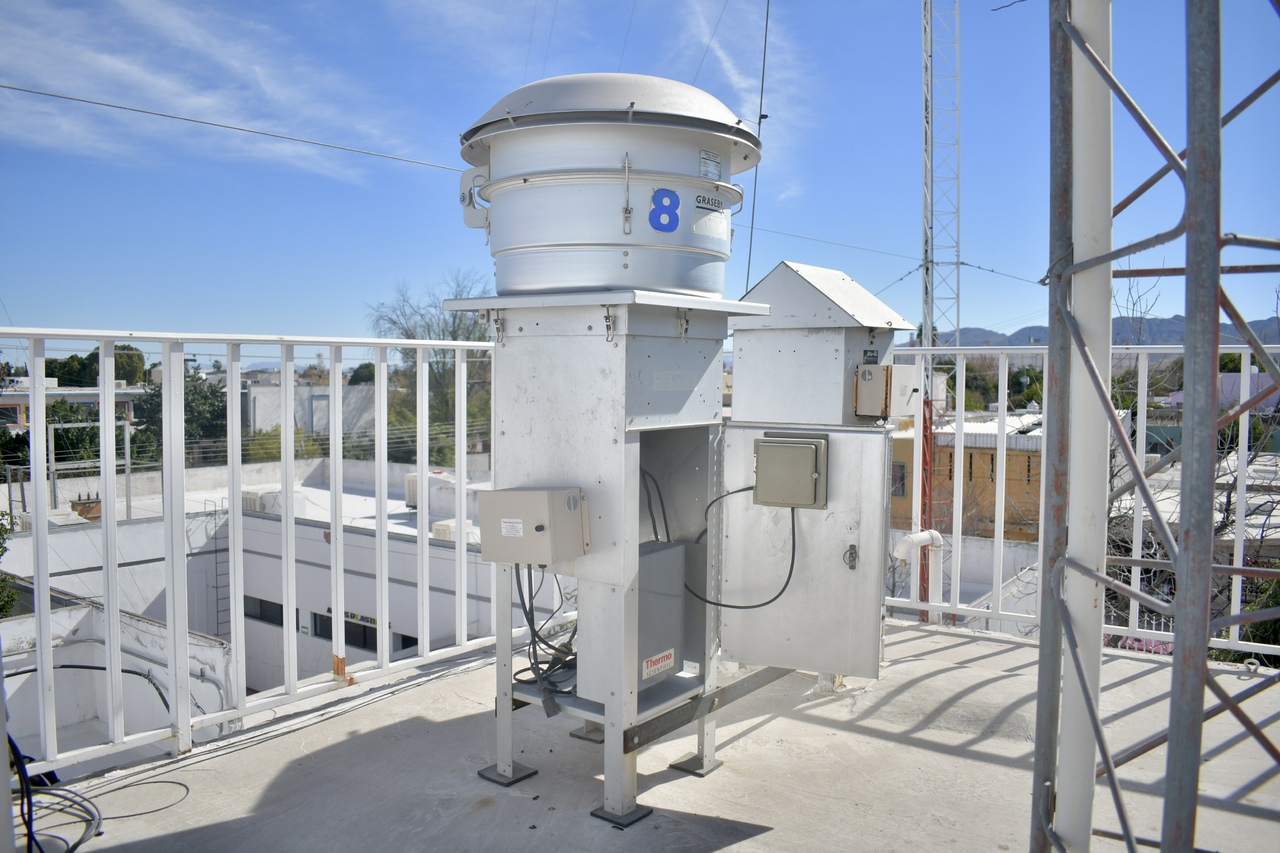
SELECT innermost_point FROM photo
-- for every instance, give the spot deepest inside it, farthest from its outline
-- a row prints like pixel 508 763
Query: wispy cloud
pixel 732 69
pixel 180 59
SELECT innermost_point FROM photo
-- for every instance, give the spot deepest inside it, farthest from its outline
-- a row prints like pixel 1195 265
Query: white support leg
pixel 505 772
pixel 621 603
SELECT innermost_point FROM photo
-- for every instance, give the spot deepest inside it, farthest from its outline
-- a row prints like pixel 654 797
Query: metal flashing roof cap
pixel 610 98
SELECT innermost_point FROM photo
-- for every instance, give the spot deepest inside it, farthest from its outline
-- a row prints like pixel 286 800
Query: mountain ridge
pixel 1125 331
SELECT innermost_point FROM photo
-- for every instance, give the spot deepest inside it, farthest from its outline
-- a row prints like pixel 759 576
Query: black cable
pixel 648 496
pixel 560 657
pixel 79 804
pixel 706 513
pixel 228 127
pixel 531 619
pixel 143 675
pixel 26 807
pixel 790 572
pixel 662 504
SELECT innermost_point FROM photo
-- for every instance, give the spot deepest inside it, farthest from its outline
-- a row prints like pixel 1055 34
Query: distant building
pixel 1023 439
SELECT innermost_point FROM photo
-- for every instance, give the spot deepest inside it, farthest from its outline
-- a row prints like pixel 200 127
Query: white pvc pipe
pixel 914 541
pixel 1090 439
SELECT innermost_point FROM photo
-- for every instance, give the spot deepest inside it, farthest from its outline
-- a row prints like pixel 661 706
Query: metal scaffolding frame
pixel 1078 402
pixel 940 264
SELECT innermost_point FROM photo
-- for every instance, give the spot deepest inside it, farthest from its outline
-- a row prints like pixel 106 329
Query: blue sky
pixel 114 220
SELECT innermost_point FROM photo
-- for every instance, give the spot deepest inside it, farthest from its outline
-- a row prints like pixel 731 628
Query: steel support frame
pixel 1200 380
pixel 1054 827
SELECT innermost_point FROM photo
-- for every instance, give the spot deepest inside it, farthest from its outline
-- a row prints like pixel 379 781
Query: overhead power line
pixel 237 128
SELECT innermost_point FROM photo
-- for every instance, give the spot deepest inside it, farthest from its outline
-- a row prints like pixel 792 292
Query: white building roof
pixel 808 297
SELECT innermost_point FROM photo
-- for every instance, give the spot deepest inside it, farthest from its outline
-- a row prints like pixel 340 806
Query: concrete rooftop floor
pixel 936 754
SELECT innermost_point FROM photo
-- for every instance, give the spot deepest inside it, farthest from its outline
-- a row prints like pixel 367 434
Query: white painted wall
pixel 80 695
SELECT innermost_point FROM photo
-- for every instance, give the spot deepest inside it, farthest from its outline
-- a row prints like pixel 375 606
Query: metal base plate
pixel 636 814
pixel 695 766
pixel 592 732
pixel 519 773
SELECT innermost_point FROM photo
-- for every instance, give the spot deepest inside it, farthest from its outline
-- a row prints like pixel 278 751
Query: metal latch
pixel 851 557
pixel 608 324
pixel 499 327
pixel 682 322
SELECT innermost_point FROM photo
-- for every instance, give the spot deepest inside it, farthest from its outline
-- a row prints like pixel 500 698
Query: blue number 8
pixel 663 216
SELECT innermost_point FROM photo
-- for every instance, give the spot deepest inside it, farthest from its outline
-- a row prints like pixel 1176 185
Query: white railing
pixel 238 354
pixel 1000 592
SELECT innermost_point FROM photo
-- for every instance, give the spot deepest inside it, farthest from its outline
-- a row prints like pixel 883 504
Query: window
pixel 362 636
pixel 263 610
pixel 322 626
pixel 899 480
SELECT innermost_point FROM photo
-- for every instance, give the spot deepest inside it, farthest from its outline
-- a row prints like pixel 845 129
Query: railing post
pixel 110 553
pixel 288 529
pixel 381 558
pixel 235 526
pixel 421 355
pixel 40 451
pixel 337 536
pixel 460 491
pixel 173 396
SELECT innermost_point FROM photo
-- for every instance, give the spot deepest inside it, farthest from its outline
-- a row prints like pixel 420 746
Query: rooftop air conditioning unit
pixel 447 529
pixel 411 491
pixel 251 501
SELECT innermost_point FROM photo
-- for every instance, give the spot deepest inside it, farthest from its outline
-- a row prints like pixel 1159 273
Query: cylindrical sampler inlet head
pixel 606 182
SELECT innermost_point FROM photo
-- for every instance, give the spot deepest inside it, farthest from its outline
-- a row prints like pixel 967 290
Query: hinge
pixel 608 324
pixel 626 205
pixel 682 322
pixel 499 327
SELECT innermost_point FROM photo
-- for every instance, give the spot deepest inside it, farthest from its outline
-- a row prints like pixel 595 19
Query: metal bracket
pixel 608 325
pixel 698 707
pixel 682 322
pixel 499 326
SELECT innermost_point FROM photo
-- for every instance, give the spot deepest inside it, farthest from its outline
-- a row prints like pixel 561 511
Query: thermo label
pixel 513 527
pixel 659 663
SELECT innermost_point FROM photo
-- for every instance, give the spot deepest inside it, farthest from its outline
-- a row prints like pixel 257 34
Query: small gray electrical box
pixel 542 526
pixel 791 471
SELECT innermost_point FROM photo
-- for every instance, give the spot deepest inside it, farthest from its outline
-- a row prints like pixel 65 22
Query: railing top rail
pixel 206 338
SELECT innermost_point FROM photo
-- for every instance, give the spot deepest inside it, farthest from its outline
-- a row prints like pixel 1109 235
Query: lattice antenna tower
pixel 941 257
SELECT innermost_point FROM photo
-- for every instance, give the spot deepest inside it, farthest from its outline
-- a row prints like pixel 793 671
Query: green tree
pixel 75 371
pixel 205 421
pixel 424 318
pixel 73 444
pixel 8 595
pixel 15 449
pixel 1026 386
pixel 1229 362
pixel 362 375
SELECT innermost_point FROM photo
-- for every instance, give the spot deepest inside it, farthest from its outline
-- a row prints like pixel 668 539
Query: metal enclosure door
pixel 828 620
